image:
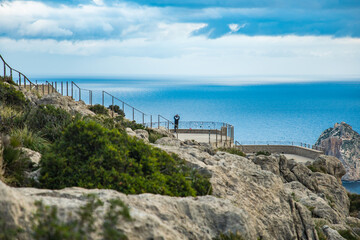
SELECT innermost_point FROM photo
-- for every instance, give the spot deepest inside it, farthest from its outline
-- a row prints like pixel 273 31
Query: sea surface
pixel 297 112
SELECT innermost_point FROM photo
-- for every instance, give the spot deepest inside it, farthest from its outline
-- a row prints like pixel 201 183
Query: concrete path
pixel 198 137
pixel 297 158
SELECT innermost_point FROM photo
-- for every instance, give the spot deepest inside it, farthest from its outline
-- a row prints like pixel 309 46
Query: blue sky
pixel 295 40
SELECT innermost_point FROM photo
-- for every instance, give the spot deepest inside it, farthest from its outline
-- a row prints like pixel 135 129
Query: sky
pixel 228 40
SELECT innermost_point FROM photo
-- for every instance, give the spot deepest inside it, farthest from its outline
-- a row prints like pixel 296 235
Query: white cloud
pixel 231 55
pixel 236 27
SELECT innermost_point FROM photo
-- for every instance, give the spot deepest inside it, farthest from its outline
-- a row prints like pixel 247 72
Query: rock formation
pixel 343 142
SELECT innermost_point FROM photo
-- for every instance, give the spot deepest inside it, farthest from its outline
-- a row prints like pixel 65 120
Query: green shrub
pixel 348 235
pixel 354 204
pixel 29 139
pixel 12 97
pixel 8 80
pixel 47 226
pixel 117 109
pixel 265 153
pixel 131 124
pixel 15 166
pixel 91 156
pixel 229 236
pixel 315 168
pixel 98 109
pixel 153 136
pixel 48 121
pixel 233 151
pixel 10 118
pixel 9 231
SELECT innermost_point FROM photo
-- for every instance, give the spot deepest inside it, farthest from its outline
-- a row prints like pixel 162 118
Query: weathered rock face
pixel 322 193
pixel 66 103
pixel 267 197
pixel 344 143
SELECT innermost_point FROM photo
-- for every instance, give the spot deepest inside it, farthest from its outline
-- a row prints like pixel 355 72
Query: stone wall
pixel 285 149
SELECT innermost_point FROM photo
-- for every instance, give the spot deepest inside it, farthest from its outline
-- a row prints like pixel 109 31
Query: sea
pixel 292 112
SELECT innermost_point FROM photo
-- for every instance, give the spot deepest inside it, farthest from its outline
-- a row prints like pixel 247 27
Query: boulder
pixel 32 155
pixel 142 134
pixel 66 103
pixel 167 141
pixel 331 165
pixel 130 132
pixel 332 234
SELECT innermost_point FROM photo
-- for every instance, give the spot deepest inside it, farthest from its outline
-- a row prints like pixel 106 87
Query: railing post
pixel 133 114
pixel 48 85
pixel 143 120
pixel 62 88
pixel 67 88
pixel 4 70
pixel 112 102
pixel 19 79
pixel 123 107
pixel 72 88
pixel 10 74
pixel 102 98
pixel 55 86
pixel 90 97
pixel 24 81
pixel 150 121
pixel 43 89
pixel 168 125
pixel 158 121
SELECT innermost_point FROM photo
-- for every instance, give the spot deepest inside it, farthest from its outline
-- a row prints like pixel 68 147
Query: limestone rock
pixel 332 234
pixel 163 131
pixel 344 143
pixel 130 132
pixel 142 134
pixel 32 155
pixel 168 141
pixel 334 204
pixel 66 103
pixel 331 165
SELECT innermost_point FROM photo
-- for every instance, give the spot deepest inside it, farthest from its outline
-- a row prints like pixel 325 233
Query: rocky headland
pixel 256 197
pixel 343 142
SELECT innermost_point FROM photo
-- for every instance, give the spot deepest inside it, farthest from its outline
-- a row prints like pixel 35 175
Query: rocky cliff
pixel 260 197
pixel 343 142
pixel 266 197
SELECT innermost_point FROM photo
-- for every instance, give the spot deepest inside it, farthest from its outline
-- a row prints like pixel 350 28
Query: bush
pixel 47 226
pixel 11 118
pixel 29 139
pixel 153 136
pixel 48 121
pixel 15 166
pixel 348 235
pixel 233 151
pixel 8 80
pixel 229 236
pixel 265 153
pixel 98 109
pixel 91 156
pixel 117 109
pixel 12 97
pixel 354 204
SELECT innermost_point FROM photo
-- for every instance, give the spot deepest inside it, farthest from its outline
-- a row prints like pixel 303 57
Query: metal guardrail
pixel 77 93
pixel 289 143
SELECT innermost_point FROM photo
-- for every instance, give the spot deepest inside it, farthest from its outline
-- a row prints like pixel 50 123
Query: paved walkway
pixel 199 137
pixel 297 158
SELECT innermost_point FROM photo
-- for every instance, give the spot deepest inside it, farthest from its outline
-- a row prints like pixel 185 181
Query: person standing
pixel 176 118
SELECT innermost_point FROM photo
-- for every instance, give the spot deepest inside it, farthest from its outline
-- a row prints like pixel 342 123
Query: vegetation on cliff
pixel 88 151
pixel 92 156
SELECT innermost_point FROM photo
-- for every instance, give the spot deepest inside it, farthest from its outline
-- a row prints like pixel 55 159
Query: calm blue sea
pixel 271 112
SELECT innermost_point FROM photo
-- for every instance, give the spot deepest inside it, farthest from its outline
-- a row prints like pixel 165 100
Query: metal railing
pixel 133 110
pixel 80 94
pixel 289 143
pixel 22 79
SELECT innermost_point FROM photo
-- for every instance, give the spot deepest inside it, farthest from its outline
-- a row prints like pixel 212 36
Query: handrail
pixel 289 143
pixel 123 106
pixel 20 74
